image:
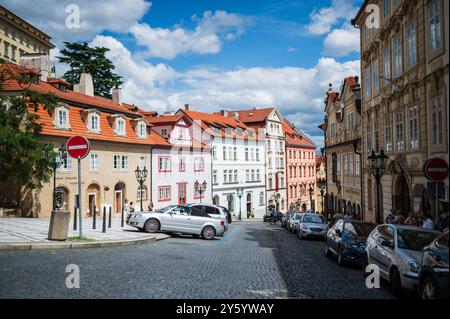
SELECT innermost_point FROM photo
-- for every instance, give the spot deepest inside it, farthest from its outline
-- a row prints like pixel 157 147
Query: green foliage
pixel 83 59
pixel 22 155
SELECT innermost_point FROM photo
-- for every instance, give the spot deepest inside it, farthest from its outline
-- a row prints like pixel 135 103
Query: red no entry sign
pixel 78 147
pixel 435 169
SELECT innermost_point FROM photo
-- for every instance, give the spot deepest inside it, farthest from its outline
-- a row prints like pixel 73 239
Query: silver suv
pixel 178 219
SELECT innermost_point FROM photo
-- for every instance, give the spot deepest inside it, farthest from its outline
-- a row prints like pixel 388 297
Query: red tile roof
pixel 294 138
pixel 252 116
pixel 165 119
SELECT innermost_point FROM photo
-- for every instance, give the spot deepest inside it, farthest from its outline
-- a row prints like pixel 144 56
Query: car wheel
pixel 396 283
pixel 151 226
pixel 340 258
pixel 429 289
pixel 328 252
pixel 208 232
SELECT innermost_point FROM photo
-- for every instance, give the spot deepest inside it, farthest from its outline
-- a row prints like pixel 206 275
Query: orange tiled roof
pixel 253 116
pixel 295 138
pixel 165 119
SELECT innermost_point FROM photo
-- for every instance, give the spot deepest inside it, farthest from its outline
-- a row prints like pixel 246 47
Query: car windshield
pixel 165 209
pixel 315 219
pixel 297 216
pixel 414 239
pixel 358 229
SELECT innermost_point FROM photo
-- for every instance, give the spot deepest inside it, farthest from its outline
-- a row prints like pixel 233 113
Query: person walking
pixel 273 217
pixel 427 222
pixel 131 207
pixel 411 220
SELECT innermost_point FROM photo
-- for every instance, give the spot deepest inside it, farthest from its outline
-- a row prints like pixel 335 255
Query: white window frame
pixel 94 162
pixel 411 43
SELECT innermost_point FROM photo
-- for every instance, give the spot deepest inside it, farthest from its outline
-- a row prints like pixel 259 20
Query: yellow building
pixel 342 148
pixel 18 37
pixel 404 67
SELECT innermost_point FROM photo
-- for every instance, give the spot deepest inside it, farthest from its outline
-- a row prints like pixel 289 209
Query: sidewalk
pixel 31 233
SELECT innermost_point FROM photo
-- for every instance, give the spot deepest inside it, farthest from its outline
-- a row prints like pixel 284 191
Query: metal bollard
pixel 104 220
pixel 94 218
pixel 75 218
pixel 109 217
pixel 122 217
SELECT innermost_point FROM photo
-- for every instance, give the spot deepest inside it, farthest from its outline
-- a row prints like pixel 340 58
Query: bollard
pixel 104 220
pixel 109 217
pixel 122 217
pixel 94 218
pixel 75 218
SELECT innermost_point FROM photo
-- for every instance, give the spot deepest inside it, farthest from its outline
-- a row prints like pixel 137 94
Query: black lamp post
pixel 377 165
pixel 311 193
pixel 57 161
pixel 200 188
pixel 321 183
pixel 240 192
pixel 141 176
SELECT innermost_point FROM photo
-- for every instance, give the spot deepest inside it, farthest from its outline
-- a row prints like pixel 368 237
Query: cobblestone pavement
pixel 253 260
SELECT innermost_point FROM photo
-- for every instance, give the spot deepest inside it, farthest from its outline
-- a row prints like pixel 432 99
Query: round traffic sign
pixel 435 169
pixel 78 147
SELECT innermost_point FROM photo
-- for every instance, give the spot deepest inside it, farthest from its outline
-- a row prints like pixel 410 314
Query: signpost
pixel 78 147
pixel 436 170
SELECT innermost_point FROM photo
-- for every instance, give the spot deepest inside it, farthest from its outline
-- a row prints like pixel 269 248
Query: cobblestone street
pixel 253 260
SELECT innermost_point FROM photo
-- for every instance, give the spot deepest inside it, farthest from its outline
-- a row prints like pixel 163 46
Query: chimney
pixel 86 85
pixel 223 112
pixel 117 96
pixel 188 107
pixel 37 62
pixel 235 115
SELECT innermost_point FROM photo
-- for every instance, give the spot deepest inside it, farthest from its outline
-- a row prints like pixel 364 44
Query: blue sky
pixel 213 54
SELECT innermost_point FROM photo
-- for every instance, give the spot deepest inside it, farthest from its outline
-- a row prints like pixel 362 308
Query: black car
pixel 346 239
pixel 433 277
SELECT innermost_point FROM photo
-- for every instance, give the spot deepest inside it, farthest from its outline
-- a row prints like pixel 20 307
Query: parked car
pixel 433 277
pixel 227 212
pixel 397 251
pixel 346 240
pixel 285 219
pixel 312 225
pixel 214 211
pixel 179 219
pixel 294 221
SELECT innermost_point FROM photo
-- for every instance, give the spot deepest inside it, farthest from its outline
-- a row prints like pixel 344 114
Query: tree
pixel 22 155
pixel 84 59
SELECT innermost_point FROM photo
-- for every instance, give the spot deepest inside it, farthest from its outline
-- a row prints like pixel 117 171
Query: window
pixel 6 49
pixel 143 193
pixel 224 153
pixel 376 77
pixel 350 121
pixel 199 164
pixel 258 175
pixel 333 132
pixel 120 162
pixel 399 131
pixel 434 24
pixel 368 84
pixel 93 164
pixel 66 166
pixel 387 65
pixel 252 175
pixel 164 164
pixel 120 127
pixel 386 8
pixel 142 129
pixel 235 153
pixel 215 180
pixel 214 153
pixel 164 132
pixel 413 128
pixel 388 133
pixel 377 135
pixel 246 154
pixel 182 164
pixel 62 118
pixel 94 123
pixel 398 59
pixel 411 44
pixel 235 175
pixel 230 176
pixel 225 176
pixel 357 165
pixel 164 193
pixel 369 139
pixel 13 53
pixel 257 154
pixel 247 175
pixel 261 199
pixel 437 116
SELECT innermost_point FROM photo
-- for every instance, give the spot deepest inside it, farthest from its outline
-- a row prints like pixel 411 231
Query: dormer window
pixel 120 127
pixel 142 129
pixel 94 122
pixel 62 118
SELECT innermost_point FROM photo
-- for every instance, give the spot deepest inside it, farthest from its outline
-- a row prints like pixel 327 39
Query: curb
pixel 68 245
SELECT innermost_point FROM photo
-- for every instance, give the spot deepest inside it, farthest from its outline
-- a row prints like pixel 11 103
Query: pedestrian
pixel 442 221
pixel 131 207
pixel 427 222
pixel 150 206
pixel 390 218
pixel 126 207
pixel 273 216
pixel 411 220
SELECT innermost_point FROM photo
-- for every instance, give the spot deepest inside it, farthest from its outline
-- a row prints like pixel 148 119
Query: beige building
pixel 19 38
pixel 404 67
pixel 342 148
pixel 120 141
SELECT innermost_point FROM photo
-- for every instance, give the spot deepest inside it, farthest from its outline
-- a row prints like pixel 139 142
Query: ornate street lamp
pixel 377 165
pixel 141 176
pixel 200 188
pixel 322 184
pixel 240 192
pixel 311 193
pixel 57 161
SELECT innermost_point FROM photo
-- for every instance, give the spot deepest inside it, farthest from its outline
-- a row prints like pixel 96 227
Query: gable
pixel 275 116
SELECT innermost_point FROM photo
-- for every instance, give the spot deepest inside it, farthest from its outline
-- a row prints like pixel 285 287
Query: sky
pixel 214 54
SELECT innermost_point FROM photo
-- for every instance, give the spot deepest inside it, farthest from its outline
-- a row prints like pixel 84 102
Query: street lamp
pixel 311 193
pixel 240 192
pixel 377 164
pixel 57 161
pixel 200 188
pixel 141 176
pixel 322 183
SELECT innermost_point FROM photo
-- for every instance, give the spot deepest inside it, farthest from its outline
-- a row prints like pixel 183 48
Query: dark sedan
pixel 433 278
pixel 347 240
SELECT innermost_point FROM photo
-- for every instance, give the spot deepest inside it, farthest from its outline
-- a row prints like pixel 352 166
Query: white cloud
pixel 341 42
pixel 95 16
pixel 206 38
pixel 325 18
pixel 291 50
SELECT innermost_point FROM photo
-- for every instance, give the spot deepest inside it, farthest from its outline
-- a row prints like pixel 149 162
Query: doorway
pixel 119 196
pixel 249 205
pixel 402 200
pixel 181 193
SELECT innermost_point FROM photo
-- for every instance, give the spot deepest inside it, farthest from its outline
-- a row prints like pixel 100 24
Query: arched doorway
pixel 249 205
pixel 62 198
pixel 216 200
pixel 119 197
pixel 93 198
pixel 402 199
